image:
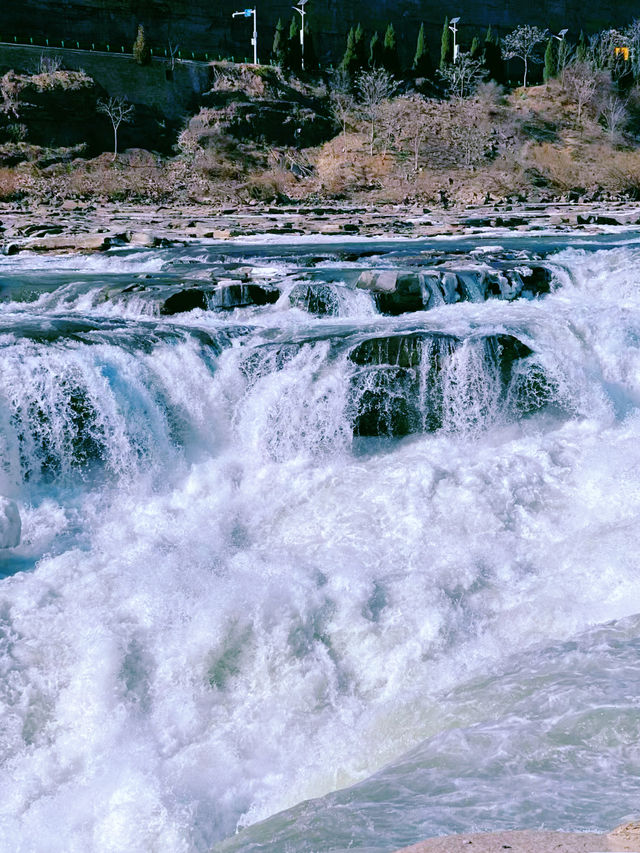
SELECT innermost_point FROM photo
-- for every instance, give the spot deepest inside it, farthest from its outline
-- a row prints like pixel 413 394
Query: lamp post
pixel 247 13
pixel 300 8
pixel 562 54
pixel 453 26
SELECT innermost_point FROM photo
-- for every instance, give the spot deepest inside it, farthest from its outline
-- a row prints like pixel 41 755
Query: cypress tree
pixel 421 61
pixel 446 45
pixel 349 60
pixel 360 47
pixel 293 53
pixel 492 55
pixel 475 51
pixel 278 50
pixel 375 51
pixel 390 58
pixel 140 50
pixel 550 62
pixel 310 56
pixel 581 49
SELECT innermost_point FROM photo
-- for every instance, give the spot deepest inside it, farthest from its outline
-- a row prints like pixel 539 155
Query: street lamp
pixel 453 26
pixel 562 52
pixel 247 13
pixel 300 8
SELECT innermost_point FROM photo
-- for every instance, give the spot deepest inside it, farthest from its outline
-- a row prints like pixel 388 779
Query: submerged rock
pixel 10 524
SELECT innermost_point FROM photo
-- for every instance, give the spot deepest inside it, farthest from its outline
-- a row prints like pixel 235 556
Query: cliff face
pixel 206 26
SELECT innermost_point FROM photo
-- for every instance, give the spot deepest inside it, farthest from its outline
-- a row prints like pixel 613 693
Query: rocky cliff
pixel 205 26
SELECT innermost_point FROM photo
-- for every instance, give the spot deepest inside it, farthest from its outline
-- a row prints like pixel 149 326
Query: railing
pixel 107 47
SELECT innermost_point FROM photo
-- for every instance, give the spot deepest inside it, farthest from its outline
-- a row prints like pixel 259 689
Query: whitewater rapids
pixel 232 623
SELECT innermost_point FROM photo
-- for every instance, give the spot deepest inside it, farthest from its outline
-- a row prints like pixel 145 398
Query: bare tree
pixel 374 87
pixel 462 76
pixel 614 114
pixel 413 122
pixel 522 44
pixel 174 47
pixel 118 110
pixel 341 99
pixel 581 82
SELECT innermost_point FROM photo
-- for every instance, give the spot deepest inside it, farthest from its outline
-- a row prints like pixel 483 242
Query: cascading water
pixel 303 570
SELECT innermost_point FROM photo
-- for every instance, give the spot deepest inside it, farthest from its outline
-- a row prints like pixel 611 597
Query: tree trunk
pixel 115 142
pixel 525 72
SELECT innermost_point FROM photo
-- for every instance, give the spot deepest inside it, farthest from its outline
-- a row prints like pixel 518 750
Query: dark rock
pixel 183 301
pixel 226 297
pixel 321 299
pixel 397 390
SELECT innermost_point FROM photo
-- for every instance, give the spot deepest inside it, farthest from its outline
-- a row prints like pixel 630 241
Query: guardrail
pixel 119 50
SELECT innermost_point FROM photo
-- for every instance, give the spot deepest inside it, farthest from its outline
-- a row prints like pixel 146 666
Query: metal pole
pixel 254 40
pixel 300 8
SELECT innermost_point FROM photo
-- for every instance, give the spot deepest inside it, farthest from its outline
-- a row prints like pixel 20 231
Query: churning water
pixel 300 575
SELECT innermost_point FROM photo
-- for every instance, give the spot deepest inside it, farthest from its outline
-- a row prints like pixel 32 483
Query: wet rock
pixel 378 282
pixel 398 389
pixel 10 524
pixel 320 299
pixel 226 297
pixel 183 301
pixel 408 296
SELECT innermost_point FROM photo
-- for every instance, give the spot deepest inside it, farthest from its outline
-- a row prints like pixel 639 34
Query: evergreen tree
pixel 550 61
pixel 421 61
pixel 278 51
pixel 311 62
pixel 581 49
pixel 475 51
pixel 493 56
pixel 140 50
pixel 349 60
pixel 360 48
pixel 446 45
pixel 390 58
pixel 293 60
pixel 375 51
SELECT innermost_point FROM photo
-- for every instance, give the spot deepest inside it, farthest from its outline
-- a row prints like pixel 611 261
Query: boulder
pixel 321 299
pixel 183 301
pixel 227 296
pixel 10 524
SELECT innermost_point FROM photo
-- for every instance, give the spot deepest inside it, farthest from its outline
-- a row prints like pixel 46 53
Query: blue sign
pixel 248 13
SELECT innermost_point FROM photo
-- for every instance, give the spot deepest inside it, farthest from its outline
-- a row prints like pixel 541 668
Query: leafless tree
pixel 174 47
pixel 374 87
pixel 341 98
pixel 118 110
pixel 614 114
pixel 412 122
pixel 470 130
pixel 462 76
pixel 581 81
pixel 522 44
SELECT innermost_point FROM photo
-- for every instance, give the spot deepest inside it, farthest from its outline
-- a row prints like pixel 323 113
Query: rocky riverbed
pixel 85 226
